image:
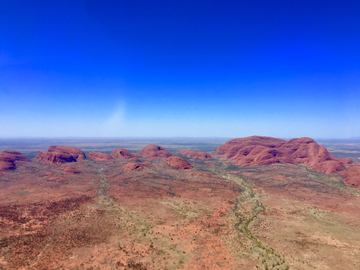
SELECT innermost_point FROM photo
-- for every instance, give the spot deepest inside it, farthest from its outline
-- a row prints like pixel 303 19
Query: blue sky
pixel 179 68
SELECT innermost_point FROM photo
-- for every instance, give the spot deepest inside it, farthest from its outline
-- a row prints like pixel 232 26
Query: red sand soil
pixel 178 163
pixel 123 153
pixel 159 218
pixel 133 167
pixel 153 151
pixel 56 178
pixel 195 154
pixel 97 156
pixel 201 174
pixel 256 150
pixel 71 170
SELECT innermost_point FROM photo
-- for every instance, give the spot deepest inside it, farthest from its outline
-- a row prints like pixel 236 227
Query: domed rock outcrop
pixel 9 158
pixel 123 153
pixel 352 176
pixel 11 155
pixel 98 156
pixel 60 154
pixel 178 163
pixel 347 161
pixel 54 157
pixel 153 151
pixel 133 167
pixel 232 147
pixel 76 153
pixel 195 154
pixel 257 150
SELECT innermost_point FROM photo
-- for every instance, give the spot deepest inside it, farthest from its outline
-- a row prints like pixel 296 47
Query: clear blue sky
pixel 180 68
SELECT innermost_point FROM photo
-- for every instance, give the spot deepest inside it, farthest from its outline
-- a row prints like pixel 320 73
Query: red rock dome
pixel 153 151
pixel 352 176
pixel 256 150
pixel 60 154
pixel 9 158
pixel 97 156
pixel 178 163
pixel 76 153
pixel 54 157
pixel 123 153
pixel 10 155
pixel 195 154
pixel 135 159
pixel 133 167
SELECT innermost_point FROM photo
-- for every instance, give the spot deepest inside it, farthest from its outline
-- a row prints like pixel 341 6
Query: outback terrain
pixel 248 203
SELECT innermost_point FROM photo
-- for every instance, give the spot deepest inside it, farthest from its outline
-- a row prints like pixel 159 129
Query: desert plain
pixel 247 203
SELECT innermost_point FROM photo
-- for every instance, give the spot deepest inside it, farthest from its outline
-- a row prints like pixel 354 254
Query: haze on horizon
pixel 179 68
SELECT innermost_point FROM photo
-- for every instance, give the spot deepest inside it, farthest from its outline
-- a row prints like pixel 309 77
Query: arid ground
pixel 146 214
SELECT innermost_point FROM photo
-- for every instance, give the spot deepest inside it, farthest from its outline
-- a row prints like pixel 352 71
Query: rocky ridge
pixel 256 150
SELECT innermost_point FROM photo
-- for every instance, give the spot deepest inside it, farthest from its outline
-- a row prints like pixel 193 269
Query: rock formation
pixel 153 151
pixel 97 156
pixel 135 159
pixel 7 166
pixel 256 150
pixel 195 154
pixel 352 176
pixel 178 163
pixel 54 157
pixel 11 155
pixel 9 158
pixel 60 154
pixel 347 161
pixel 76 153
pixel 132 167
pixel 122 153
